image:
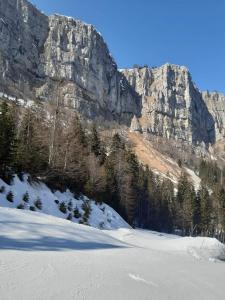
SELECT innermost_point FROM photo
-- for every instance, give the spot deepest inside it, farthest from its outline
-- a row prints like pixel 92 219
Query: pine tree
pixel 7 138
pixel 184 211
pixel 96 146
pixel 38 203
pixel 221 201
pixel 131 185
pixel 205 208
pixel 94 141
pixel 63 207
pixel 166 205
pixel 10 196
pixel 196 207
pixel 73 160
pixel 26 197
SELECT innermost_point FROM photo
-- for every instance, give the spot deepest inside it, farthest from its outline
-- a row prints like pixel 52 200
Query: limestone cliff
pixel 172 106
pixel 53 57
pixel 40 54
pixel 216 106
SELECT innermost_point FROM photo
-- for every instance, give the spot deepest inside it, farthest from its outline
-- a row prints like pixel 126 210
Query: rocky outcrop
pixel 172 106
pixel 41 55
pixel 216 106
pixel 135 125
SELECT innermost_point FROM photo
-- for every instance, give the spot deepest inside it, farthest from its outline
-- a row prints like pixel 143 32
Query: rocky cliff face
pixel 40 55
pixel 58 57
pixel 172 106
pixel 23 31
pixel 216 106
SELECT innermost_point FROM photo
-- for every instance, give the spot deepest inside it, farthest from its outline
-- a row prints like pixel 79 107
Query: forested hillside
pixel 62 150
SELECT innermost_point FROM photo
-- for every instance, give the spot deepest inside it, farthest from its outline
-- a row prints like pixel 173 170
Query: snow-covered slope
pixel 202 248
pixel 26 230
pixel 44 257
pixel 101 215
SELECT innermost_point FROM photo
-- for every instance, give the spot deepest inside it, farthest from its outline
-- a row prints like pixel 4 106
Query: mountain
pixel 60 76
pixel 46 58
pixel 40 55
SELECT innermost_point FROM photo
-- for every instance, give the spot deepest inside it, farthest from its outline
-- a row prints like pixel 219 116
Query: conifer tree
pixel 196 207
pixel 7 138
pixel 185 198
pixel 94 140
pixel 205 208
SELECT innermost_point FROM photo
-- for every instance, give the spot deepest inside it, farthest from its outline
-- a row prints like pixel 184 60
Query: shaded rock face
pixel 23 31
pixel 40 55
pixel 172 106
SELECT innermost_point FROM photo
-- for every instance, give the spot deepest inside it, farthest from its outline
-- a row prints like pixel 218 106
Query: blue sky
pixel 153 32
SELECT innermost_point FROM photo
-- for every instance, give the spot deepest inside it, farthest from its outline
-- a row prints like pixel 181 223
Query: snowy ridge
pixel 98 215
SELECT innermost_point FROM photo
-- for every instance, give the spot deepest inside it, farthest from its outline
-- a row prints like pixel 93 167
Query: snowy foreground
pixel 44 257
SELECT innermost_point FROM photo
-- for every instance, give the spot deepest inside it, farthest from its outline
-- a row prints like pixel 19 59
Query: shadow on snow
pixel 52 244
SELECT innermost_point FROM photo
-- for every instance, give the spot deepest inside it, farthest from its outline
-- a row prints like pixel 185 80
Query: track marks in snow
pixel 140 279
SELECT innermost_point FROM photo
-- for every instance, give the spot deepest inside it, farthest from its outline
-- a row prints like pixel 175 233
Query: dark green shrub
pixel 2 189
pixel 63 208
pixel 20 176
pixel 70 206
pixel 10 196
pixel 56 201
pixel 38 204
pixel 32 208
pixel 26 197
pixel 101 225
pixel 87 209
pixel 76 213
pixel 69 217
pixel 20 206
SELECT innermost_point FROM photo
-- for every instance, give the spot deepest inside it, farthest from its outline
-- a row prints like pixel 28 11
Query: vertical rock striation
pixel 216 106
pixel 45 57
pixel 39 54
pixel 172 106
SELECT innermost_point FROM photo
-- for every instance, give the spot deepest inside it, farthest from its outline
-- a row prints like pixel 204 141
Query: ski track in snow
pixel 138 278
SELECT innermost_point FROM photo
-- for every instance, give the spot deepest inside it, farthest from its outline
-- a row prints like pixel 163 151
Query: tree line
pixel 54 145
